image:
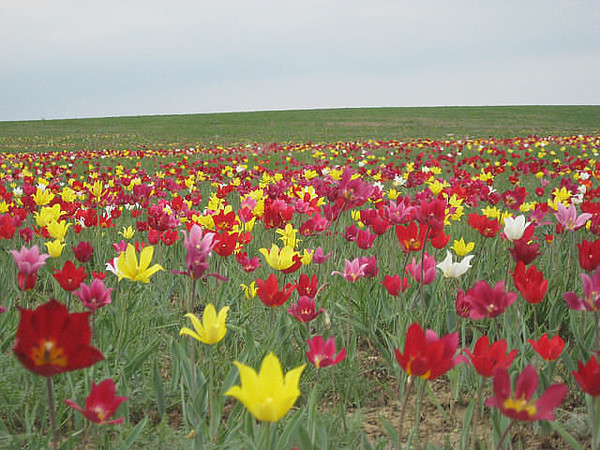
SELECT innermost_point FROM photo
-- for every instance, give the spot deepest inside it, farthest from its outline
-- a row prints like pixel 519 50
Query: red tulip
pixel 588 377
pixel 51 340
pixel 425 355
pixel 323 354
pixel 589 255
pixel 269 293
pixel 520 405
pixel 69 277
pixel 549 349
pixel 530 283
pixel 486 358
pixel 101 404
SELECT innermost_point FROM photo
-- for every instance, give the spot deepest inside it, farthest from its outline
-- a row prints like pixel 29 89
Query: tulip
pixel 322 354
pixel 452 269
pixel 212 329
pixel 514 227
pixel 268 394
pixel 101 404
pixel 520 404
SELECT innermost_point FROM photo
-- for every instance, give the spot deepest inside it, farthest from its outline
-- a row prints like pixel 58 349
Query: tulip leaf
pixel 141 357
pixel 566 436
pixel 467 421
pixel 134 434
pixel 159 391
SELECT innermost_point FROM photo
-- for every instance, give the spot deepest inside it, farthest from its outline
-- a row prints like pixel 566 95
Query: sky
pixel 74 58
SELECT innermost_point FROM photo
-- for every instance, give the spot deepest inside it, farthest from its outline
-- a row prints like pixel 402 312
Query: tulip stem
pixel 596 331
pixel 51 412
pixel 593 412
pixel 499 447
pixel 407 389
pixel 422 280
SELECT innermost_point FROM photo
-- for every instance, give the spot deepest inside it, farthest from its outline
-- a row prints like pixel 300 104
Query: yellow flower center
pixel 520 405
pixel 47 353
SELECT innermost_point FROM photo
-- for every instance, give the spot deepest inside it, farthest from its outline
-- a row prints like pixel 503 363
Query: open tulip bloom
pixel 127 264
pixel 50 340
pixel 322 354
pixel 101 404
pixel 212 328
pixel 520 405
pixel 452 269
pixel 268 395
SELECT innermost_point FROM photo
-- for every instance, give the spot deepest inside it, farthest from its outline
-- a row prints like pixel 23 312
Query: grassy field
pixel 324 125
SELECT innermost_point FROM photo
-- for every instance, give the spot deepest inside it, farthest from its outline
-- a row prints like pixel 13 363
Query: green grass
pixel 323 125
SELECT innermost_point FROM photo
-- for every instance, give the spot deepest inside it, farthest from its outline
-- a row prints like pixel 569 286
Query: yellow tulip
pixel 55 248
pixel 127 232
pixel 461 248
pixel 128 267
pixel 57 230
pixel 250 290
pixel 212 328
pixel 47 214
pixel 268 395
pixel 43 196
pixel 279 259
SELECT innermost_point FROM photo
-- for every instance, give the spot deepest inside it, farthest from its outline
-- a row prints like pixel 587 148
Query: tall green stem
pixel 407 390
pixel 51 412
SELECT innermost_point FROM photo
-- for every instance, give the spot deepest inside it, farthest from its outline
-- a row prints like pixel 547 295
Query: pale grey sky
pixel 76 58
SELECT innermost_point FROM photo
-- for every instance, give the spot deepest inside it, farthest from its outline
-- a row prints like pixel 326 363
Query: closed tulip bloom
pixel 268 394
pixel 429 272
pixel 514 227
pixel 212 328
pixel 426 355
pixel 530 283
pixel 83 252
pixel 95 295
pixel 588 376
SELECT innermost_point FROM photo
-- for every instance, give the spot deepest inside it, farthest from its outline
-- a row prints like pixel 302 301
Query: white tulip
pixel 452 269
pixel 514 227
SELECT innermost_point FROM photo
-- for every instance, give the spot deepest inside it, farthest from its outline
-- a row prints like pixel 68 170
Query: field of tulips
pixel 377 294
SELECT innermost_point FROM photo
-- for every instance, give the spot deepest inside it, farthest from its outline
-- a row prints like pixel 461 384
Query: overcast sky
pixel 76 58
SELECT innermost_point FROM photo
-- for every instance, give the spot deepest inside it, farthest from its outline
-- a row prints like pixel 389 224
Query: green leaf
pixel 134 434
pixel 566 436
pixel 159 391
pixel 141 357
pixel 467 421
